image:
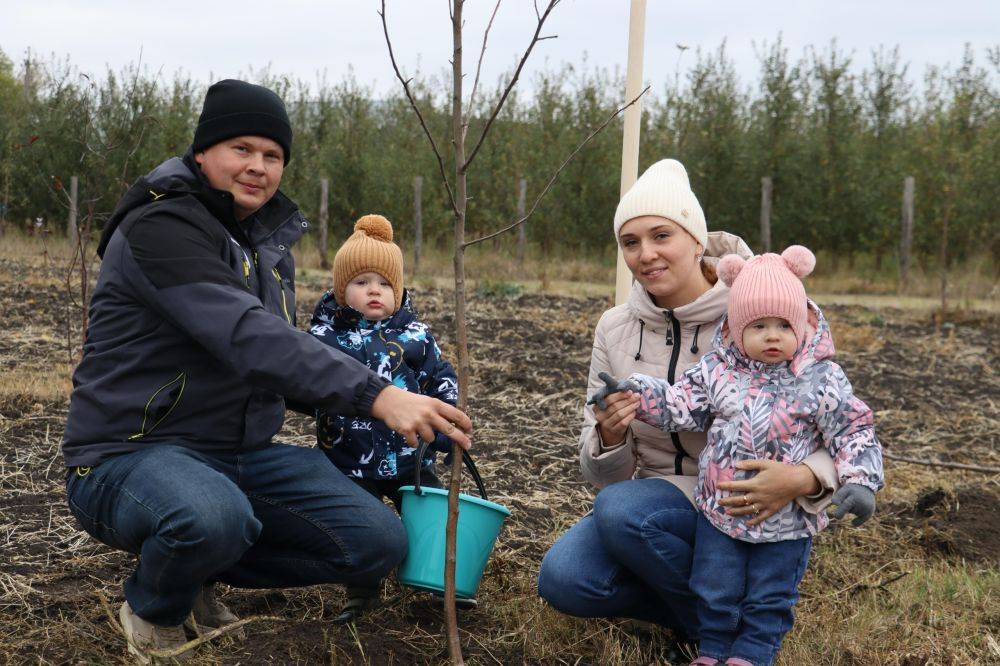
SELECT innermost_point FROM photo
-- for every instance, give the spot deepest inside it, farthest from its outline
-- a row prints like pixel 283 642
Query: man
pixel 191 353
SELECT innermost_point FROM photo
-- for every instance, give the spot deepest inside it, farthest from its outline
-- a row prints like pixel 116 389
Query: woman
pixel 631 556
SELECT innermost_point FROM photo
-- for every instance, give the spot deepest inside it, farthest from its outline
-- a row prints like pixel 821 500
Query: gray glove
pixel 855 499
pixel 611 385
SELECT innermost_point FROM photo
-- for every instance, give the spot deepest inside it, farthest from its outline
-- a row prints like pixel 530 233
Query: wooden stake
pixel 765 213
pixel 324 221
pixel 630 139
pixel 418 224
pixel 906 244
pixel 943 254
pixel 522 234
pixel 72 231
pixel 6 199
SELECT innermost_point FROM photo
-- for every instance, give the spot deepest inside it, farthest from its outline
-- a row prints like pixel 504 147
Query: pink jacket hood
pixel 818 345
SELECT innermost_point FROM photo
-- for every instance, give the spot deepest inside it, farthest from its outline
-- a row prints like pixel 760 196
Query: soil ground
pixel 917 585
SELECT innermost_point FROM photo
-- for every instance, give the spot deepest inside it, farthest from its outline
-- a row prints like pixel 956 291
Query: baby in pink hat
pixel 769 390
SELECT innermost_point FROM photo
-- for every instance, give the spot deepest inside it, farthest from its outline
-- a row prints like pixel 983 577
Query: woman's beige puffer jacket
pixel 638 336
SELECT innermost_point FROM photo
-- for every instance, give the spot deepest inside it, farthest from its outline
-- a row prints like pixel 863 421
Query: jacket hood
pixel 818 345
pixel 180 176
pixel 708 307
pixel 346 317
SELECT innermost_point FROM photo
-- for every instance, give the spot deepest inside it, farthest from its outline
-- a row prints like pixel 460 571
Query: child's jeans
pixel 745 593
pixel 382 488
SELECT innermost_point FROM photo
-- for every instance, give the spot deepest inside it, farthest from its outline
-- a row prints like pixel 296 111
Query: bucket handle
pixel 466 458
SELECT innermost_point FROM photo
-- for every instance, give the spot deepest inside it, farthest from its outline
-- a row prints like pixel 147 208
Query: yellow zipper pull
pixel 281 288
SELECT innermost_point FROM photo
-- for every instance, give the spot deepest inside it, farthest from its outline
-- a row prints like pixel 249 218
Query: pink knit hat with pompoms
pixel 767 285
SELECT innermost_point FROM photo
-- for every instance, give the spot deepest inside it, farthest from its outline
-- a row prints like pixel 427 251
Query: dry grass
pixel 39 385
pixel 917 586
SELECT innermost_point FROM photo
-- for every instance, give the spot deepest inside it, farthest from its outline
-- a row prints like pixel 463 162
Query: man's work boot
pixel 360 600
pixel 209 612
pixel 143 636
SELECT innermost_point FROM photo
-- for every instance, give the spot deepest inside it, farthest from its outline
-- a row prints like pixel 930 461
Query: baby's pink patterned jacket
pixel 760 411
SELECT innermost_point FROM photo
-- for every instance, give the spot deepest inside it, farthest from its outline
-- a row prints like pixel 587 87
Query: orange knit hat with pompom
pixel 370 248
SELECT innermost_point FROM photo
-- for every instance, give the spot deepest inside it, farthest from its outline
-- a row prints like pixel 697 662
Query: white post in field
pixel 630 140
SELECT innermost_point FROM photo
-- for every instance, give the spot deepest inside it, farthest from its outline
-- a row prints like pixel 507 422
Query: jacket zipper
pixel 246 269
pixel 673 339
pixel 281 288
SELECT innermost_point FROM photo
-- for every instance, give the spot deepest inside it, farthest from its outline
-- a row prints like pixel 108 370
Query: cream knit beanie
pixel 663 190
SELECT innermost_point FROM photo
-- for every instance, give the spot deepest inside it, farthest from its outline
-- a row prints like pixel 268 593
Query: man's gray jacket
pixel 192 337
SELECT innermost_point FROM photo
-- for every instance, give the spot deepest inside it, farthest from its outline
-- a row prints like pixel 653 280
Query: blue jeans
pixel 282 516
pixel 745 593
pixel 630 558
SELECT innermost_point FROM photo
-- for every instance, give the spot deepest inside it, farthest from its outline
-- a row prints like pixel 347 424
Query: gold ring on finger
pixel 746 500
pixel 756 509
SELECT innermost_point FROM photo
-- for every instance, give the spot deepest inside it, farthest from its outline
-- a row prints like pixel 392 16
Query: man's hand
pixel 413 415
pixel 852 498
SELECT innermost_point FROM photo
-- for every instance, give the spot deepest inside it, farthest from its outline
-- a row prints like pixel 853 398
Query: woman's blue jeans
pixel 630 558
pixel 281 516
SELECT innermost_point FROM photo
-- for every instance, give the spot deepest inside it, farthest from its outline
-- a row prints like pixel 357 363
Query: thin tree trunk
pixel 72 232
pixel 461 334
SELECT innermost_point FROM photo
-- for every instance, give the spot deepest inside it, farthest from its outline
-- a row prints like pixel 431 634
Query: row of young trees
pixel 837 144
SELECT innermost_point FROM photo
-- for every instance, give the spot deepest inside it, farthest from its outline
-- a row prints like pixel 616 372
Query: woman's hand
pixel 775 485
pixel 613 422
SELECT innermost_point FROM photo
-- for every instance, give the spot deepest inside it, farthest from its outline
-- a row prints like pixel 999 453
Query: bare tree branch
pixel 552 180
pixel 416 110
pixel 510 84
pixel 479 66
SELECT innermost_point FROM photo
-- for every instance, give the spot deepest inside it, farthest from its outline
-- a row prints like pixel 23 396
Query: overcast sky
pixel 212 40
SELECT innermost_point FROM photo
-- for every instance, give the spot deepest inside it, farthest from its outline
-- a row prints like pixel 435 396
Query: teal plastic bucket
pixel 425 517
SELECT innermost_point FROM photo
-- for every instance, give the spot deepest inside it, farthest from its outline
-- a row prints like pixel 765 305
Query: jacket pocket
pixel 160 405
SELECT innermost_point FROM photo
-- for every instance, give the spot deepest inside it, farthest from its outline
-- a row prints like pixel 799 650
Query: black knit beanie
pixel 237 108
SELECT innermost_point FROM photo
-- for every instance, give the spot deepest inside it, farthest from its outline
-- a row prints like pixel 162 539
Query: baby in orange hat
pixel 369 316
